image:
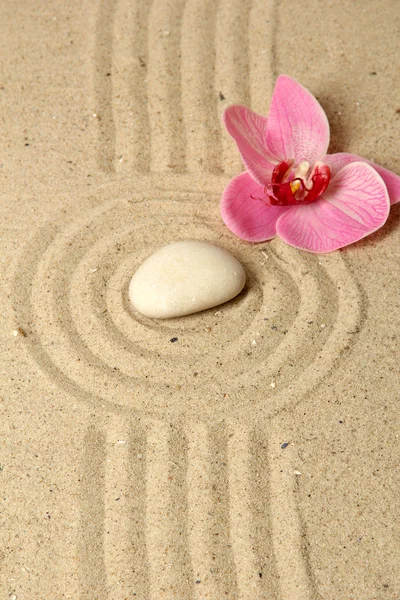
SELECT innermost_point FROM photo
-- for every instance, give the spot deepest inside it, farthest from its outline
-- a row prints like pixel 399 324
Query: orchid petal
pixel 392 181
pixel 355 205
pixel 248 129
pixel 297 125
pixel 244 212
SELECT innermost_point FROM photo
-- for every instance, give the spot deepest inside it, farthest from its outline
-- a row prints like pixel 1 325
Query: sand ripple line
pixel 342 319
pixel 91 567
pixel 54 335
pixel 129 89
pixel 261 54
pixel 124 510
pixel 119 79
pixel 122 350
pixel 201 518
pixel 352 308
pixel 103 64
pixel 104 323
pixel 316 304
pixel 72 283
pixel 166 537
pixel 26 316
pixel 295 579
pixel 55 325
pixel 243 534
pixel 199 97
pixel 232 68
pixel 168 136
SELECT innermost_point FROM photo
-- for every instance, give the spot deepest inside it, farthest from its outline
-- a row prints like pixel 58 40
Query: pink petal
pixel 248 129
pixel 355 204
pixel 249 218
pixel 297 125
pixel 392 181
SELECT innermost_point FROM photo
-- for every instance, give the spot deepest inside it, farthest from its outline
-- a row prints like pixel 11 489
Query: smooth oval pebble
pixel 185 277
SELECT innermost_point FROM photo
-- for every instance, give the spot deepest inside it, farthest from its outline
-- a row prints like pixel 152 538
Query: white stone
pixel 185 277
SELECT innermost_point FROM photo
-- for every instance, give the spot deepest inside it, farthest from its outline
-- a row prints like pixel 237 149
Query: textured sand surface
pixel 136 468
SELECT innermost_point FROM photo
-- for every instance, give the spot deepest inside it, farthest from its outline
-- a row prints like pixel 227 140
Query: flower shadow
pixel 333 107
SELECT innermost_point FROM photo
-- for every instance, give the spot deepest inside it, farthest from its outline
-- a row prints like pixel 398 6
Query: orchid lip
pixel 295 186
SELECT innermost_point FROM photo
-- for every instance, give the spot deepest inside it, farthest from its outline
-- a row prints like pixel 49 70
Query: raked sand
pixel 136 468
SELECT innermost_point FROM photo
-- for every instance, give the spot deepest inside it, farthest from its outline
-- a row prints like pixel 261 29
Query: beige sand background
pixel 134 468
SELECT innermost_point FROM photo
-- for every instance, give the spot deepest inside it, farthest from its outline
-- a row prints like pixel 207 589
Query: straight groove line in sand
pixel 124 541
pixel 168 137
pixel 138 76
pixel 243 533
pixel 166 530
pixel 91 567
pixel 201 518
pixel 221 547
pixel 295 579
pixel 199 96
pixel 263 17
pixel 103 64
pixel 129 88
pixel 258 463
pixel 232 68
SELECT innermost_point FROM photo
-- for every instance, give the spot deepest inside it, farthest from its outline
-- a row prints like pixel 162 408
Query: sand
pixel 212 467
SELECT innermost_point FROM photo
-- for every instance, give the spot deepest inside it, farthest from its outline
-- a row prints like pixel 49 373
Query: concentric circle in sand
pixel 274 341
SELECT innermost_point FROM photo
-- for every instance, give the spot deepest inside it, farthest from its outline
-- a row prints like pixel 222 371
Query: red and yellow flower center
pixel 297 185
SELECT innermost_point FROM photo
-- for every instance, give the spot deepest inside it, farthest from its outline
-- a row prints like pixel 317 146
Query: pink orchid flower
pixel 292 188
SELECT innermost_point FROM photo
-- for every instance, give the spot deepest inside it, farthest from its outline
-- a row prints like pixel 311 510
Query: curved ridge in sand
pixel 289 321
